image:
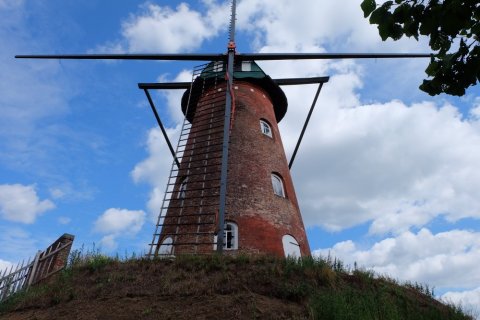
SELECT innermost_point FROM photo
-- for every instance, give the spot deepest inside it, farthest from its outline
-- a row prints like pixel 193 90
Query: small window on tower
pixel 246 66
pixel 230 237
pixel 266 129
pixel 183 189
pixel 277 184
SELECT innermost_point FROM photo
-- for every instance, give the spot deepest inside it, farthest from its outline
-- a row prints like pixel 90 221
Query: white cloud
pixel 115 223
pixel 9 4
pixel 4 265
pixel 340 24
pixel 20 203
pixel 154 169
pixel 163 29
pixel 155 201
pixel 469 300
pixel 108 242
pixel 57 193
pixel 120 221
pixel 174 97
pixel 64 220
pixel 16 244
pixel 21 111
pixel 446 259
pixel 397 165
pixel 475 112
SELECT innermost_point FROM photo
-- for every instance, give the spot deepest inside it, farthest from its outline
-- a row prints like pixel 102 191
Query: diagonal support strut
pixel 152 105
pixel 320 85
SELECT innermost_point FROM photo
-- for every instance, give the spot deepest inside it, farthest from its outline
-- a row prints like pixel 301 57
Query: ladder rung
pixel 181 244
pixel 191 206
pixel 197 154
pixel 193 161
pixel 201 131
pixel 203 135
pixel 186 224
pixel 196 147
pixel 189 215
pixel 184 233
pixel 199 197
pixel 212 112
pixel 190 243
pixel 193 182
pixel 197 167
pixel 206 188
pixel 208 121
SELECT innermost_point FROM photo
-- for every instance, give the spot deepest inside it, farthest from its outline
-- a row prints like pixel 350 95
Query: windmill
pixel 230 187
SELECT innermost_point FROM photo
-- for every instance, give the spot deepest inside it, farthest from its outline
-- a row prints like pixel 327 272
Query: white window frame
pixel 266 128
pixel 166 248
pixel 246 65
pixel 291 248
pixel 277 184
pixel 182 190
pixel 230 230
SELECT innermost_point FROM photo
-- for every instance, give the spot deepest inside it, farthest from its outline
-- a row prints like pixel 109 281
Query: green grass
pixel 324 288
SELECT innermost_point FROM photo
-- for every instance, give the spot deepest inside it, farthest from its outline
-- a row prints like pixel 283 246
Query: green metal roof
pixel 247 71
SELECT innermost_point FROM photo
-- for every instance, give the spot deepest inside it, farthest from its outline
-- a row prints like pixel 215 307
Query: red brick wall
pixel 263 218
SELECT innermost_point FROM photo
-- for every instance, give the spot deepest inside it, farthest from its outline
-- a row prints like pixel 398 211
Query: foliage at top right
pixel 453 28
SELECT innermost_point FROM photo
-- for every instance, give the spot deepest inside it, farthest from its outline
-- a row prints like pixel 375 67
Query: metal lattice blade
pixel 313 56
pixel 166 57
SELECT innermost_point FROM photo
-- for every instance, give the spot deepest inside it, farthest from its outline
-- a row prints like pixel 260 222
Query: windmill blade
pixel 320 56
pixel 133 56
pixel 223 57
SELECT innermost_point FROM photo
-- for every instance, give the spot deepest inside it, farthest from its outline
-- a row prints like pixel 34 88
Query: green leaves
pixel 456 66
pixel 368 6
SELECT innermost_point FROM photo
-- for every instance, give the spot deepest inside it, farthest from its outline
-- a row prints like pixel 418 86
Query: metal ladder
pixel 187 222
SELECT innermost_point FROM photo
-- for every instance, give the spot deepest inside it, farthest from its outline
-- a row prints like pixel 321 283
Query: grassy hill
pixel 222 287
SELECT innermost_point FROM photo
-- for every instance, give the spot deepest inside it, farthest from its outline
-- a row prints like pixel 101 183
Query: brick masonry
pixel 262 217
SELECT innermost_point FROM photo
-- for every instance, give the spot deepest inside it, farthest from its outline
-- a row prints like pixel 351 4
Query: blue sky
pixel 387 176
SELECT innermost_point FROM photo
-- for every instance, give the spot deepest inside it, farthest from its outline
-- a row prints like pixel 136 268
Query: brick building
pixel 261 213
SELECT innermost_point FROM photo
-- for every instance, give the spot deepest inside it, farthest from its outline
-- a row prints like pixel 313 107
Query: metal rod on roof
pixel 232 20
pixel 152 105
pixel 305 125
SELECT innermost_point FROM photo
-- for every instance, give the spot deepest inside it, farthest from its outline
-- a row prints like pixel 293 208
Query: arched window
pixel 230 237
pixel 277 184
pixel 266 129
pixel 291 248
pixel 166 247
pixel 182 190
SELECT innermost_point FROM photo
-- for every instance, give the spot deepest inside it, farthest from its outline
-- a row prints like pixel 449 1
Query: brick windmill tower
pixel 230 188
pixel 260 208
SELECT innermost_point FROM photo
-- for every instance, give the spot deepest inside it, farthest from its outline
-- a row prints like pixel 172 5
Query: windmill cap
pixel 245 71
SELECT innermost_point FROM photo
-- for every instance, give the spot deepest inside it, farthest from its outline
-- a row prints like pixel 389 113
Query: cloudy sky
pixel 387 176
